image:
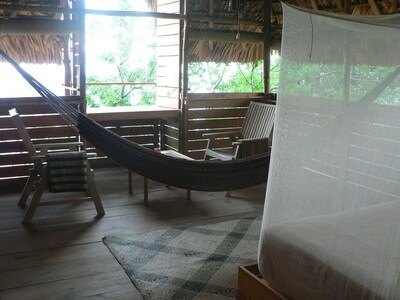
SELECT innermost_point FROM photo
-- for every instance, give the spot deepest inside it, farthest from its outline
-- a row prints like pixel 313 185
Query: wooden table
pixel 171 153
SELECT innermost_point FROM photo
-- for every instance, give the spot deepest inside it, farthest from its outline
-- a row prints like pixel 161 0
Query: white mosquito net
pixel 331 224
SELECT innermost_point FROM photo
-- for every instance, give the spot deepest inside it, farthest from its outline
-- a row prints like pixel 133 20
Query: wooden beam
pixel 374 7
pixel 223 20
pixel 221 35
pixel 267 45
pixel 32 26
pixel 211 23
pixel 121 83
pixel 34 8
pixel 131 13
pixel 187 34
pixel 347 7
pixel 82 53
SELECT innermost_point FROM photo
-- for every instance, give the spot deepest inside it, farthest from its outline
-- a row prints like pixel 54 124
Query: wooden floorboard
pixel 61 255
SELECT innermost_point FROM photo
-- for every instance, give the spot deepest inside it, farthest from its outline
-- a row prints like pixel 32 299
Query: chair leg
pixel 35 200
pixel 28 188
pixel 94 193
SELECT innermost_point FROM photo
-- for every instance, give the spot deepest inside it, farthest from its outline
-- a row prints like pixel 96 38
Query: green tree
pixel 248 78
pixel 126 38
pixel 206 76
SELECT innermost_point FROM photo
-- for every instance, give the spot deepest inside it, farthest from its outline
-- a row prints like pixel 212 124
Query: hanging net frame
pixel 188 174
pixel 331 226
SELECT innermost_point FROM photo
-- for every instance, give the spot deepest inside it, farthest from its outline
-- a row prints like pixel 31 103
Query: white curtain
pixel 333 194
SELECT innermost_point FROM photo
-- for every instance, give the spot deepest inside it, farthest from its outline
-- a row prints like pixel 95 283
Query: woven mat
pixel 197 262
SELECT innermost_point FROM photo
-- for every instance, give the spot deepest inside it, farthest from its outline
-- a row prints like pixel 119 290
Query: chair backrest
pixel 22 132
pixel 259 121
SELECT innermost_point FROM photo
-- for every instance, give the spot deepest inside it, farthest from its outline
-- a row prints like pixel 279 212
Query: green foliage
pixel 247 78
pixel 227 78
pixel 126 55
pixel 205 76
pixel 327 81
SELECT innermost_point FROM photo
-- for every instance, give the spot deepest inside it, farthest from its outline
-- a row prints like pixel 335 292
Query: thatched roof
pixel 31 48
pixel 251 21
pixel 212 35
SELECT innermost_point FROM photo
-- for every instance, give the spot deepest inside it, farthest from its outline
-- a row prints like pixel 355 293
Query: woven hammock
pixel 188 174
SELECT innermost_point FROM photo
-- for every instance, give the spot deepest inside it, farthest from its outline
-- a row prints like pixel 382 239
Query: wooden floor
pixel 61 256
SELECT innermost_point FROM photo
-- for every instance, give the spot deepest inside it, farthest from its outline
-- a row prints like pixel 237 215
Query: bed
pixel 331 223
pixel 295 258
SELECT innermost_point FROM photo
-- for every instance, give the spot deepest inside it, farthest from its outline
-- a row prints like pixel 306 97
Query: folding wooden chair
pixel 253 139
pixel 38 177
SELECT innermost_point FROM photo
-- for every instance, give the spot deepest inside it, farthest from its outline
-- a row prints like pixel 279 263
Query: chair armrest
pixel 217 134
pixel 44 148
pixel 242 141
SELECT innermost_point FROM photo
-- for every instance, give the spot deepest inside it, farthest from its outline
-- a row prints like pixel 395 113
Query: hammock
pixel 188 174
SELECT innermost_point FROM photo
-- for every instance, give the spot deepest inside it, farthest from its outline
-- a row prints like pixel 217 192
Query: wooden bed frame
pixel 252 286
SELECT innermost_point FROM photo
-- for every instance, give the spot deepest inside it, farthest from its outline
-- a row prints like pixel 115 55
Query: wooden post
pixel 211 23
pixel 67 67
pixel 267 45
pixel 347 7
pixel 82 56
pixel 184 94
pixel 347 62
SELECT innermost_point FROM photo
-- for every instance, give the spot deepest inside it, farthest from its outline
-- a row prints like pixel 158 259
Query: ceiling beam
pixel 35 8
pixel 220 35
pixel 131 13
pixel 34 26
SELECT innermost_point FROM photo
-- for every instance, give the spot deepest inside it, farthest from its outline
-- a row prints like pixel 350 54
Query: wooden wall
pixel 168 61
pixel 44 126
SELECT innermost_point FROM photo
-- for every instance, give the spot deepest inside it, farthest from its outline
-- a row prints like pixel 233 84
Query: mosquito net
pixel 331 224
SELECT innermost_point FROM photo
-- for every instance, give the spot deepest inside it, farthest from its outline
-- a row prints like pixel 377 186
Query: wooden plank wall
pixel 168 47
pixel 44 126
pixel 215 113
pixel 170 134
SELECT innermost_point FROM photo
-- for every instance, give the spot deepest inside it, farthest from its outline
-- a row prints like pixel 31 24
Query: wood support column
pixel 347 7
pixel 82 54
pixel 67 67
pixel 267 45
pixel 185 81
pixel 347 62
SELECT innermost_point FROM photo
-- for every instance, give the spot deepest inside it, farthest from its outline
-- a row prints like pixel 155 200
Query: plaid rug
pixel 198 262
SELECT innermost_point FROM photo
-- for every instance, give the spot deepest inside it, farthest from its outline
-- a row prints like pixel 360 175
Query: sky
pixel 52 76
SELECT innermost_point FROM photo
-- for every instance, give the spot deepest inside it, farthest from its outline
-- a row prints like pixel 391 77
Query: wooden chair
pixel 253 139
pixel 38 175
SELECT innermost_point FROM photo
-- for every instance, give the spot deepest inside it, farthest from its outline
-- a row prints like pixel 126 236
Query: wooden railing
pixel 44 126
pixel 150 127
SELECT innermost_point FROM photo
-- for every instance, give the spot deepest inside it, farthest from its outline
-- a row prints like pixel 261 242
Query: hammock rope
pixel 182 173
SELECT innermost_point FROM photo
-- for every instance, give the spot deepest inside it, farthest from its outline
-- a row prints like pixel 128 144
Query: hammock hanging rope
pixel 188 174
